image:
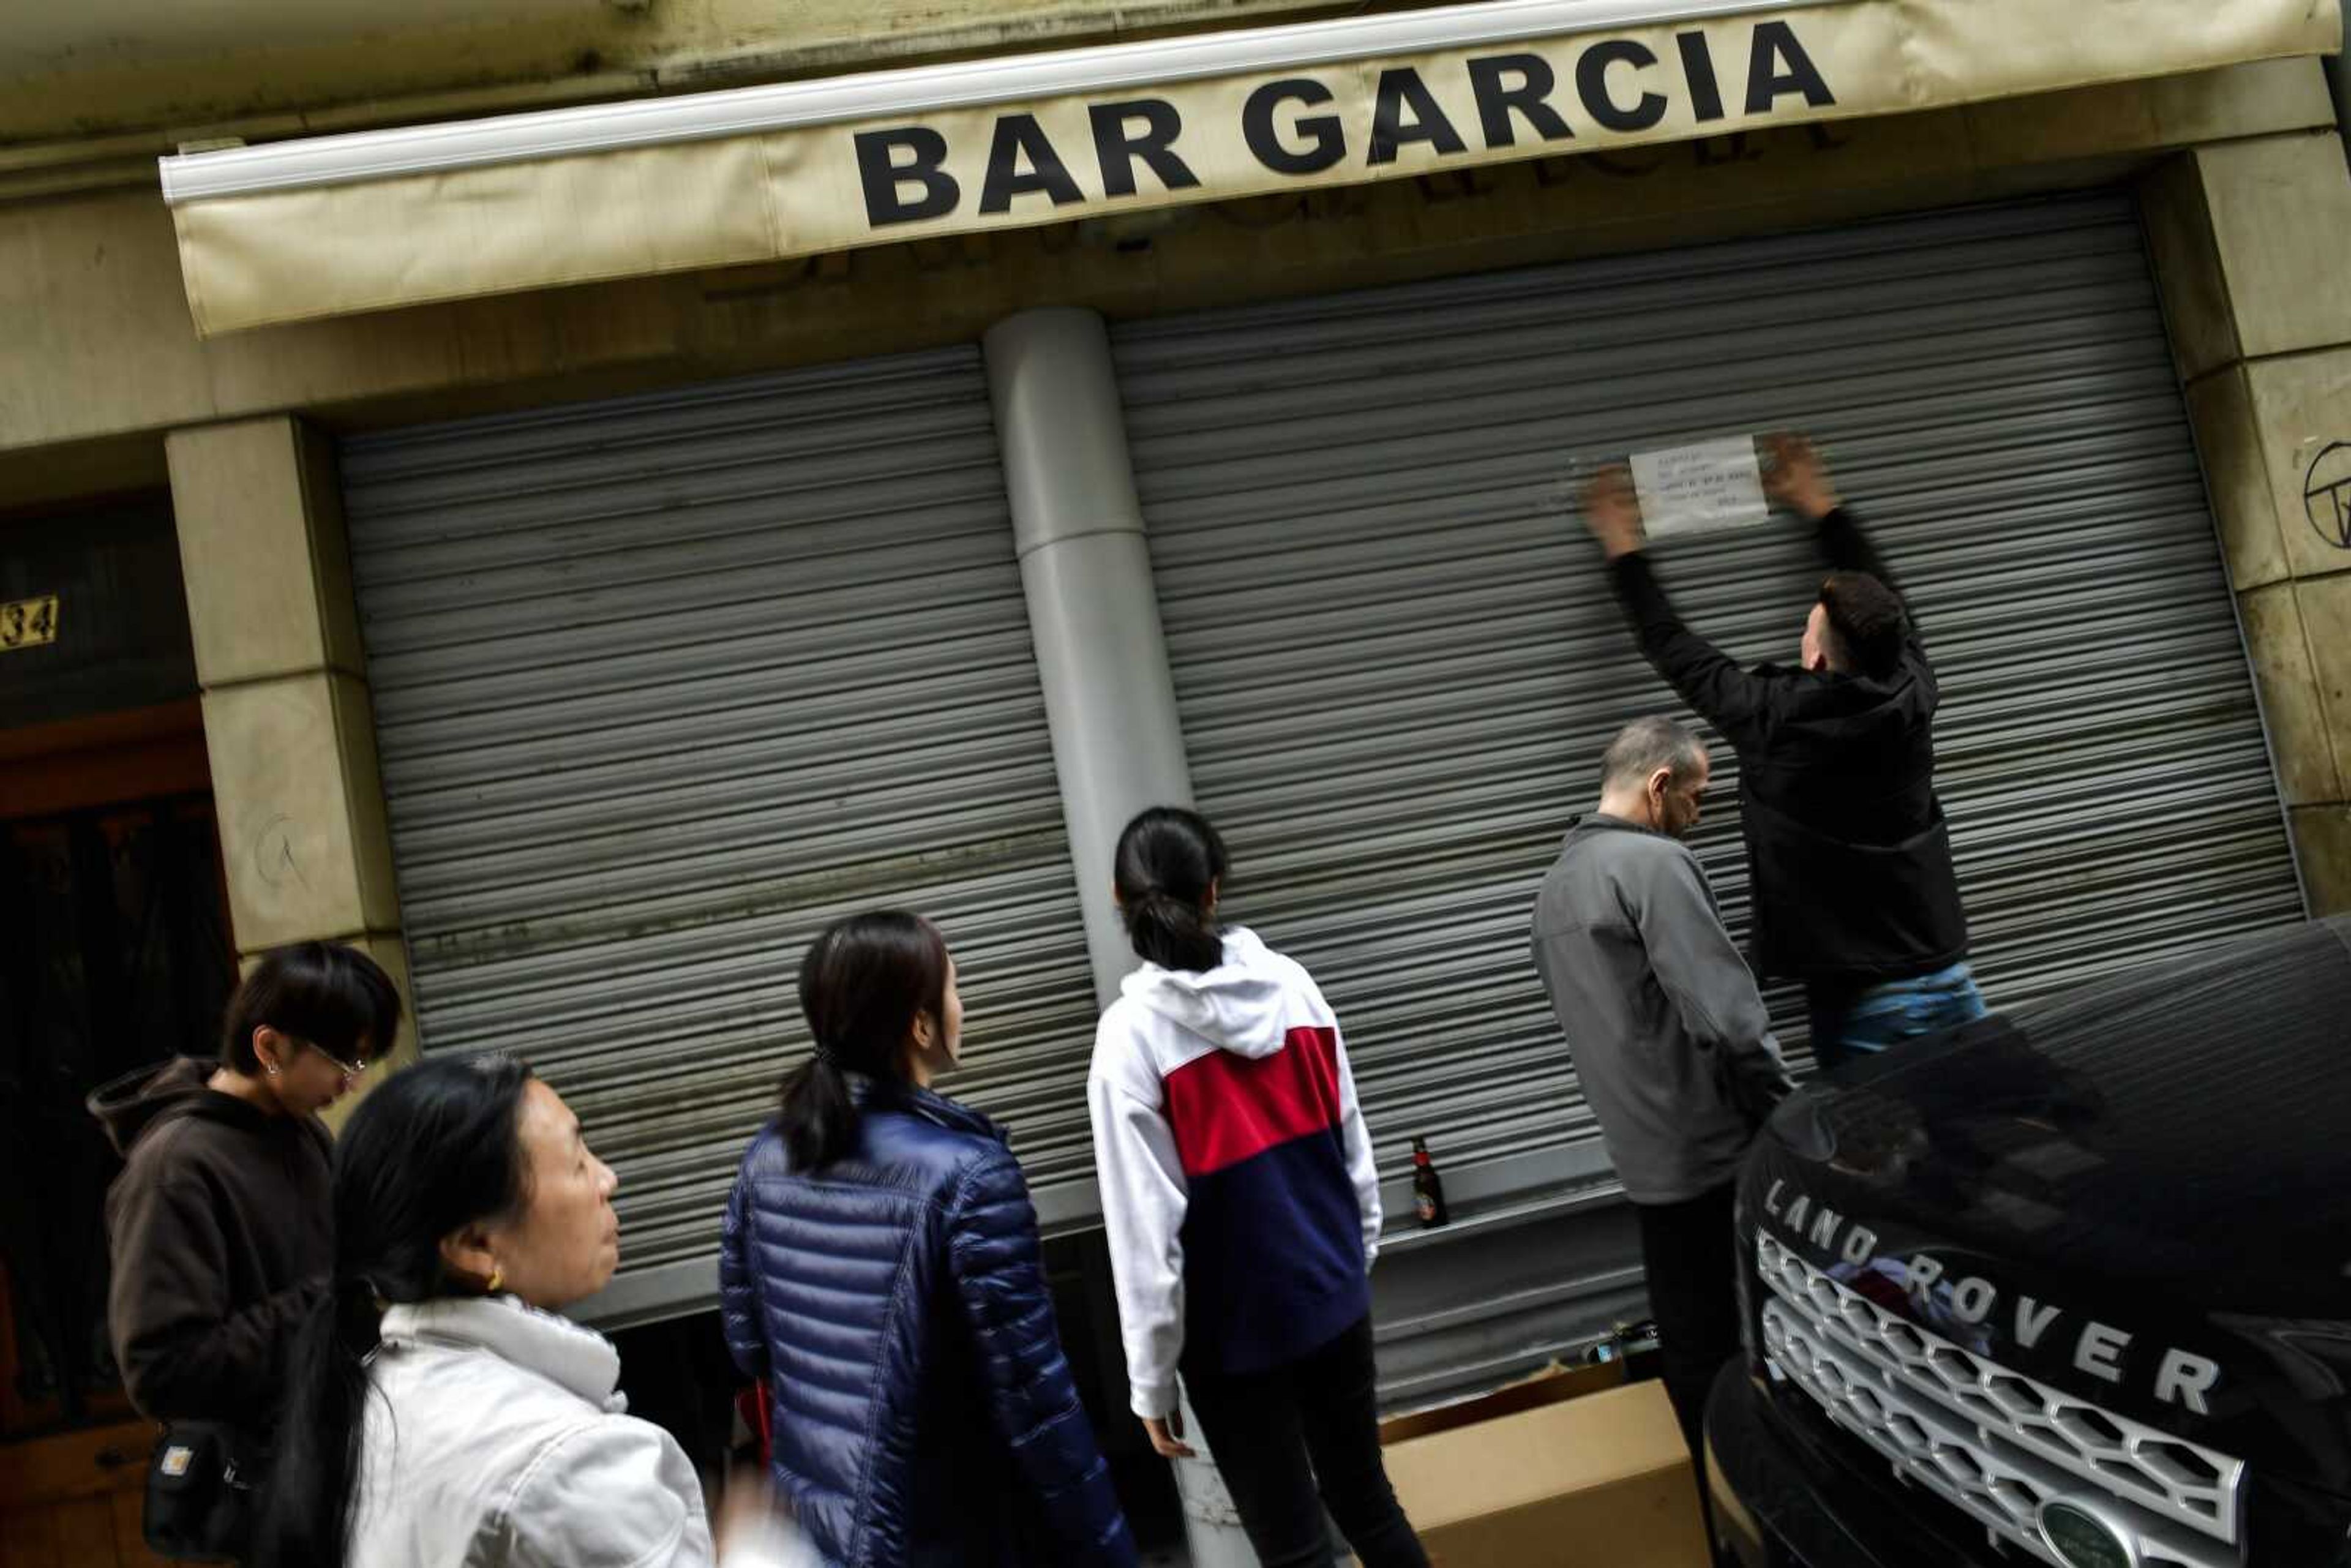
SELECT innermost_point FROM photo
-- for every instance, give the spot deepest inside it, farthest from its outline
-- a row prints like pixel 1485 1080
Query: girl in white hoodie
pixel 1243 1209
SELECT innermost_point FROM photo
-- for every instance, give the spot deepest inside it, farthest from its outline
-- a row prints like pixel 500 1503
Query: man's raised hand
pixel 1795 477
pixel 1612 512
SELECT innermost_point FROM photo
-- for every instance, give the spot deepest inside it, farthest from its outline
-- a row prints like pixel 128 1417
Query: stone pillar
pixel 286 718
pixel 2249 239
pixel 1110 701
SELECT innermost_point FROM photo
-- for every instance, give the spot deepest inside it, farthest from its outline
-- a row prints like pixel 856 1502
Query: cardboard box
pixel 1565 1469
pixel 1549 1387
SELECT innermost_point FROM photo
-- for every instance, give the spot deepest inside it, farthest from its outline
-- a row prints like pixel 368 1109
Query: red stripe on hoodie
pixel 1225 1108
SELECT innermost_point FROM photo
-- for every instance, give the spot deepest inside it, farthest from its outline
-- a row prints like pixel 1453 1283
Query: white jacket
pixel 495 1437
pixel 1238 1188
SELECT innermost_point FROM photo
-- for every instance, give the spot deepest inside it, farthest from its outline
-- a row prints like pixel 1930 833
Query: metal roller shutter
pixel 1398 660
pixel 661 686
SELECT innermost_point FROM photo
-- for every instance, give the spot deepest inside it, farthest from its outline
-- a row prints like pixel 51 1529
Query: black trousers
pixel 1691 1259
pixel 1291 1440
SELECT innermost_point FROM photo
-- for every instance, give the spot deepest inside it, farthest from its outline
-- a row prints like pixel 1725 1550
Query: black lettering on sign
pixel 1698 68
pixel 884 176
pixel 1117 146
pixel 1592 85
pixel 1326 136
pixel 1400 90
pixel 1780 65
pixel 1019 136
pixel 1497 101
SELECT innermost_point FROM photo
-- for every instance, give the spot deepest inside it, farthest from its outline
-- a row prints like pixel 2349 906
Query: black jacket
pixel 221 1232
pixel 1848 854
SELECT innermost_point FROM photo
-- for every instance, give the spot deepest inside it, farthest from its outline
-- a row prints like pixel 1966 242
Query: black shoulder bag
pixel 201 1492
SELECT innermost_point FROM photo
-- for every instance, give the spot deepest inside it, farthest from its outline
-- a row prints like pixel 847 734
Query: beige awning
pixel 298 230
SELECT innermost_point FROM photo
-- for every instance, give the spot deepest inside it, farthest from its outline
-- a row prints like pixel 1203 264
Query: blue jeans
pixel 1850 1021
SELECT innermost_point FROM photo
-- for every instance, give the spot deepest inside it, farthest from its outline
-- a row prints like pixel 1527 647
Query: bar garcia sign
pixel 1379 118
pixel 1356 122
pixel 798 169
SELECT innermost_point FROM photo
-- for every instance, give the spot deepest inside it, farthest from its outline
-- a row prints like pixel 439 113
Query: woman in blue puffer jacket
pixel 880 1271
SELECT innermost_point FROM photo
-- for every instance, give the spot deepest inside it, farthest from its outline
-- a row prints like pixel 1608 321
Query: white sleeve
pixel 1362 1169
pixel 614 1492
pixel 1143 1199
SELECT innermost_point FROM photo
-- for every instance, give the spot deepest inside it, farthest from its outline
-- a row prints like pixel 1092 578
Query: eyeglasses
pixel 349 1069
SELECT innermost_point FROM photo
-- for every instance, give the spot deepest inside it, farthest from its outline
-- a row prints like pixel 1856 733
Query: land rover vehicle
pixel 2069 1287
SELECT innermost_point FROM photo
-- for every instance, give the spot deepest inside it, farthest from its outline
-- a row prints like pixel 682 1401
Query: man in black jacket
pixel 1849 856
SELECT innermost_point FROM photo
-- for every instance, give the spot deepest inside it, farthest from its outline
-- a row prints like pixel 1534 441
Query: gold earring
pixel 497 1282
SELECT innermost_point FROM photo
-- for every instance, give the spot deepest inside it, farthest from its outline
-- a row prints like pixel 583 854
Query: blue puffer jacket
pixel 895 1303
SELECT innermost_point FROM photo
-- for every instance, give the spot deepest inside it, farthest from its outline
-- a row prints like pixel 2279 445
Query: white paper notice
pixel 1696 489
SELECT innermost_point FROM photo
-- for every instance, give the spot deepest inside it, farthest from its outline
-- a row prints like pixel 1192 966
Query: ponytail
pixel 862 984
pixel 1169 864
pixel 432 1150
pixel 1173 932
pixel 819 1117
pixel 315 1486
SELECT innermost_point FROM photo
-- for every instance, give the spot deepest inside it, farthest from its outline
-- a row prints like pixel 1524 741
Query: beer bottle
pixel 1427 1186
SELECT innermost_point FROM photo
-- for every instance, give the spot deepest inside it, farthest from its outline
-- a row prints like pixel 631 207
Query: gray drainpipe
pixel 1110 700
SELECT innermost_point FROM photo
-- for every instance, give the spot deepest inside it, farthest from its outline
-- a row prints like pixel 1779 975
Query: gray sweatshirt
pixel 1668 1032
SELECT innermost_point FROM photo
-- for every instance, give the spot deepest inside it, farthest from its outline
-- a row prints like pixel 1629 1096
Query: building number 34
pixel 28 623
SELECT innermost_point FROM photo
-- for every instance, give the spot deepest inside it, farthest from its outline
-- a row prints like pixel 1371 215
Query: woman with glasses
pixel 221 1223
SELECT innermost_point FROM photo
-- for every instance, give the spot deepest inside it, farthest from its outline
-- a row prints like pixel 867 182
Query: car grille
pixel 1995 1445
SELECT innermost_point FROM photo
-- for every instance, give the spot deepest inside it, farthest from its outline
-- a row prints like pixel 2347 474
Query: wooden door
pixel 73 1502
pixel 114 953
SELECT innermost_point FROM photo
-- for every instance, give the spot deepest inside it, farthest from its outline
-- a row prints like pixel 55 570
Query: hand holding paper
pixel 1611 513
pixel 1705 487
pixel 1797 478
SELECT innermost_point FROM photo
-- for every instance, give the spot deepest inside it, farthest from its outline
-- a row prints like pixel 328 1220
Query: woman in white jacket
pixel 441 1413
pixel 1243 1209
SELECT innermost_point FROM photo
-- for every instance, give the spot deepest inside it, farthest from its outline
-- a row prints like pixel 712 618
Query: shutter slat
pixel 664 684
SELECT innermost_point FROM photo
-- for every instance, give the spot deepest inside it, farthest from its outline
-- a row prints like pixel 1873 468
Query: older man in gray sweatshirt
pixel 1669 1036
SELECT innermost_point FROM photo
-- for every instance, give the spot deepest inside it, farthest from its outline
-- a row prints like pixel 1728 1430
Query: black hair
pixel 862 984
pixel 430 1151
pixel 1168 863
pixel 333 997
pixel 1867 621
